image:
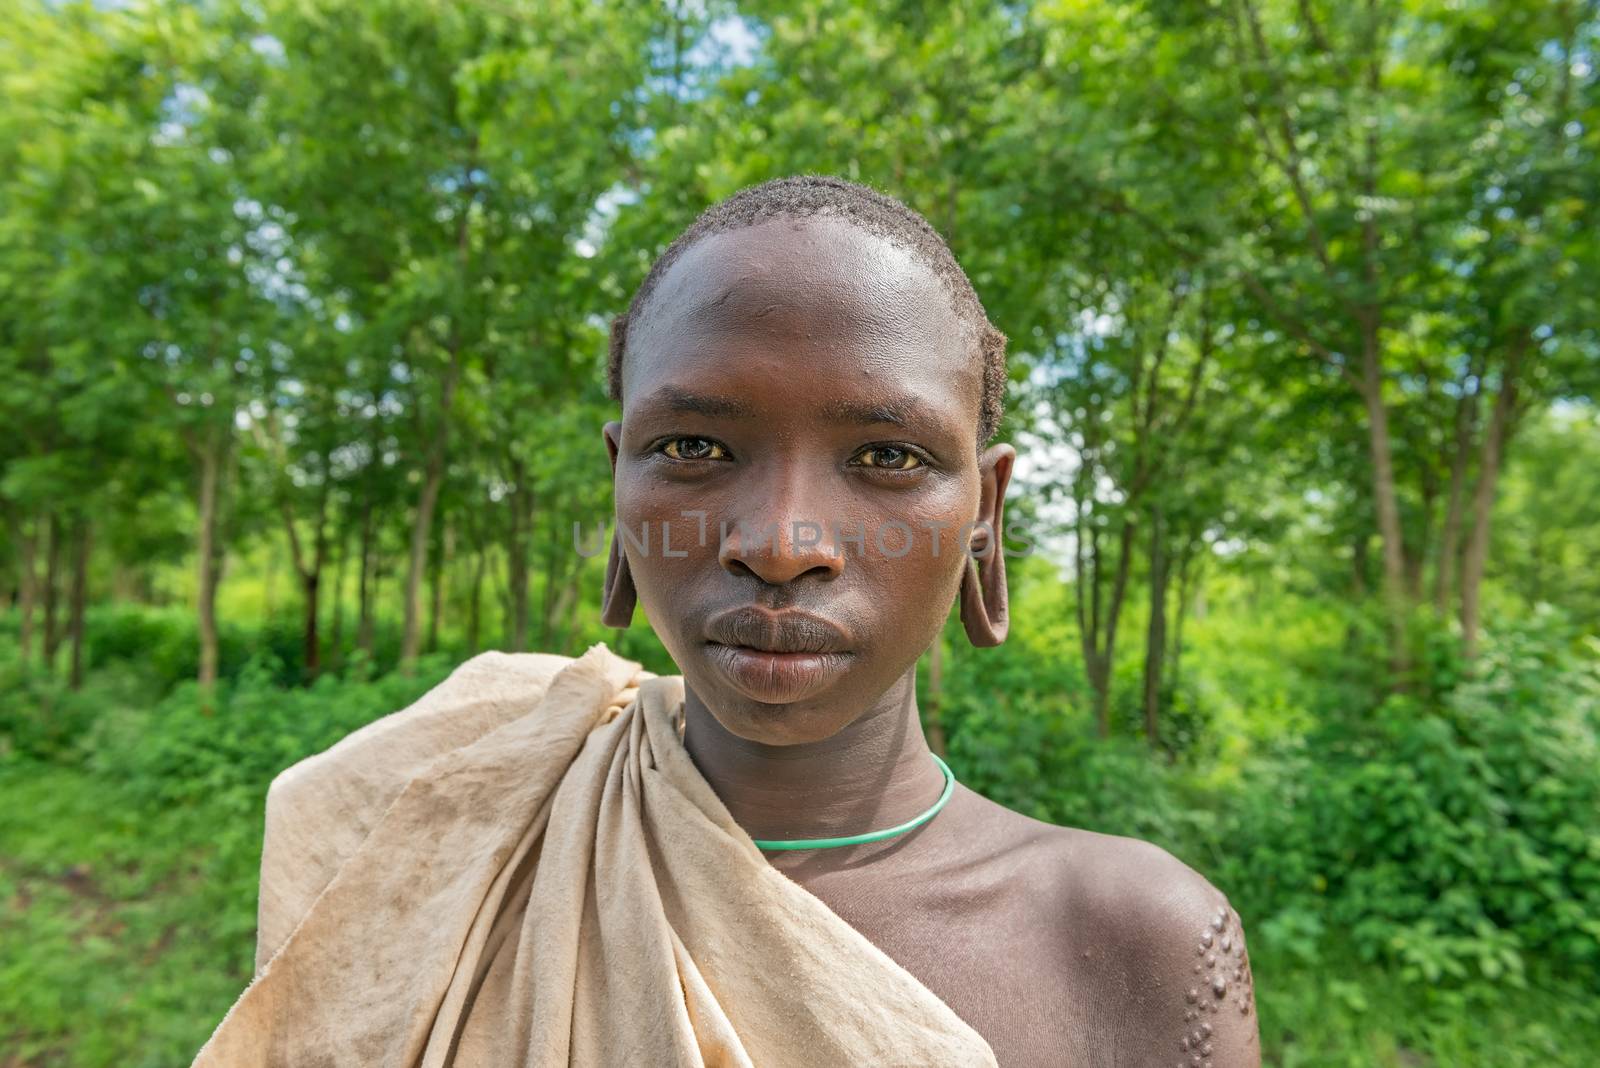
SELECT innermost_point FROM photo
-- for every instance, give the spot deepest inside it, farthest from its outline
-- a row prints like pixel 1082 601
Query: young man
pixel 759 861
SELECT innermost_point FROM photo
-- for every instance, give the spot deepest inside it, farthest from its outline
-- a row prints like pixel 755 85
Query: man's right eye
pixel 694 449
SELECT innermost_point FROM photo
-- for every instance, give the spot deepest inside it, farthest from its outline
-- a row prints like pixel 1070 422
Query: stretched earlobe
pixel 619 596
pixel 985 613
pixel 984 608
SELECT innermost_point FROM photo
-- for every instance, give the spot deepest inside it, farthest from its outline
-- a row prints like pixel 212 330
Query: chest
pixel 987 941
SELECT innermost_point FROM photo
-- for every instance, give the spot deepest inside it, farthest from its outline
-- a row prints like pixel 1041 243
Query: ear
pixel 612 432
pixel 618 595
pixel 984 608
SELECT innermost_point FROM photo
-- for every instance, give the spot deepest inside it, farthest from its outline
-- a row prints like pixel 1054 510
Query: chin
pixel 777 724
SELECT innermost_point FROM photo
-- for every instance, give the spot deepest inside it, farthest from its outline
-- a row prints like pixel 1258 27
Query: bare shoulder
pixel 1151 956
pixel 1166 943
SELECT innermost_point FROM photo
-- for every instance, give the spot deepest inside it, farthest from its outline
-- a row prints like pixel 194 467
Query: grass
pixel 1350 1015
pixel 129 931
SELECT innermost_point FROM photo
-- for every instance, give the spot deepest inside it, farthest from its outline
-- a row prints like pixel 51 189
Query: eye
pixel 890 457
pixel 694 449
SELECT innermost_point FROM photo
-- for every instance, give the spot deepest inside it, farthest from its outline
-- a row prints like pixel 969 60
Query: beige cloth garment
pixel 525 868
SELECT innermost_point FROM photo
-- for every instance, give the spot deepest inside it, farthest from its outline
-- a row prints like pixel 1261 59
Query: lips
pixel 777 657
pixel 776 632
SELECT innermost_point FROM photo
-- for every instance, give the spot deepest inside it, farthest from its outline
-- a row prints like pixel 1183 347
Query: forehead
pixel 805 308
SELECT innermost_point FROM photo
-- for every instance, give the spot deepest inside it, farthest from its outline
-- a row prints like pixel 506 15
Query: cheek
pixel 671 535
pixel 913 556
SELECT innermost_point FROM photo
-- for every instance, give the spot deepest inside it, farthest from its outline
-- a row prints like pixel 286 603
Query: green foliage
pixel 1458 843
pixel 137 654
pixel 127 927
pixel 162 644
pixel 1341 1012
pixel 128 884
pixel 44 719
pixel 1018 738
pixel 179 752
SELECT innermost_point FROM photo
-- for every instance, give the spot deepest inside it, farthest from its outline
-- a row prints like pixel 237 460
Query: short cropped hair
pixel 805 195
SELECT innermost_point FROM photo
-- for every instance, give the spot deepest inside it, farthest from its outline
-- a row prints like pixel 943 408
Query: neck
pixel 875 773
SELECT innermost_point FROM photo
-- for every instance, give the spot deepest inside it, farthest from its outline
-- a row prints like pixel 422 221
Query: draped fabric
pixel 524 868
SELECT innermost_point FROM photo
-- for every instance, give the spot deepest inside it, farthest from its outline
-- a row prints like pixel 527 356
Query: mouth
pixel 777 658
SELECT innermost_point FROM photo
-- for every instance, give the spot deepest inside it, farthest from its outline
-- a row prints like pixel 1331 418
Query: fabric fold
pixel 552 883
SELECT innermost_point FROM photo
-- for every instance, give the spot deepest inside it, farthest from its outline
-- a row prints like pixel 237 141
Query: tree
pixel 481 138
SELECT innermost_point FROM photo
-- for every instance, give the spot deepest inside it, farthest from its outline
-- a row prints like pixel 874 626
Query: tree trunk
pixel 124 583
pixel 15 524
pixel 336 638
pixel 438 581
pixel 1108 658
pixel 421 529
pixel 313 583
pixel 1385 499
pixel 365 592
pixel 521 502
pixel 1495 442
pixel 1186 567
pixel 308 570
pixel 565 601
pixel 547 604
pixel 475 605
pixel 1417 557
pixel 28 587
pixel 1097 622
pixel 80 594
pixel 269 591
pixel 502 597
pixel 1156 637
pixel 311 589
pixel 378 574
pixel 1450 538
pixel 1360 563
pixel 435 596
pixel 210 457
pixel 52 567
pixel 517 576
pixel 437 456
pixel 1088 609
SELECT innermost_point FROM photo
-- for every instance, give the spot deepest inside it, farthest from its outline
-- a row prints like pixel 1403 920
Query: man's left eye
pixel 891 457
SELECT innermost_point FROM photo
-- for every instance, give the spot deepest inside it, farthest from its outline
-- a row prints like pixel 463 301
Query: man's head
pixel 809 195
pixel 807 382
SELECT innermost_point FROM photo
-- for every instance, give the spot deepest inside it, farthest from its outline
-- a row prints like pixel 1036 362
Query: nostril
pixel 777 570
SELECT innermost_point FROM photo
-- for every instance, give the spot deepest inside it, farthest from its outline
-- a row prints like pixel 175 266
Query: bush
pixel 134 655
pixel 42 719
pixel 159 641
pixel 164 643
pixel 1187 728
pixel 178 752
pixel 1459 842
pixel 1020 731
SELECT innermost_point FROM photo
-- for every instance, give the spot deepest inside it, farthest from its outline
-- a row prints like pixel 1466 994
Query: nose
pixel 785 538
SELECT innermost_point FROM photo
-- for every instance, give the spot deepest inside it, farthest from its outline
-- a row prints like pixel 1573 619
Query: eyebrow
pixel 673 399
pixel 897 411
